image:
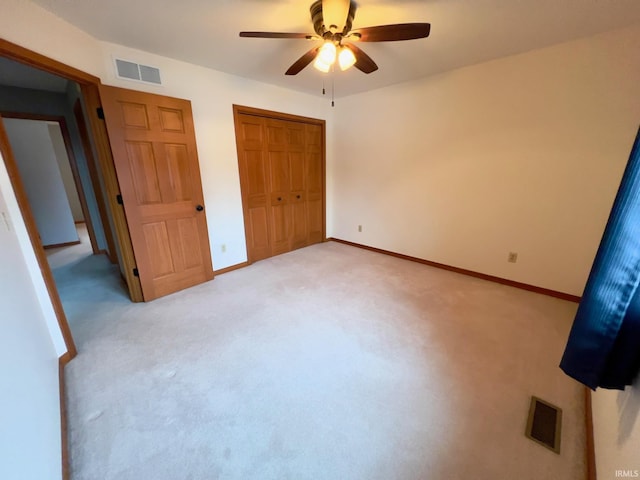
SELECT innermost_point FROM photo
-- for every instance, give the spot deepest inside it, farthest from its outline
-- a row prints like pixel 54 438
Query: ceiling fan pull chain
pixel 333 91
pixel 323 90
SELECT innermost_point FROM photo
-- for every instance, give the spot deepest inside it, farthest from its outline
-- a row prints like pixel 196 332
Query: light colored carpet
pixel 329 362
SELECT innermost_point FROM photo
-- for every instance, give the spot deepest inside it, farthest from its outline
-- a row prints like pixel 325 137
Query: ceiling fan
pixel 332 22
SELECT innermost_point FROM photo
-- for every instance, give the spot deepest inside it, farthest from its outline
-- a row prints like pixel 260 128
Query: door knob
pixel 199 208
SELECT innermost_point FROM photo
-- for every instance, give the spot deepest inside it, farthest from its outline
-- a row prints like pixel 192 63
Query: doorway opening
pixel 70 224
pixel 77 96
pixel 136 155
pixel 46 159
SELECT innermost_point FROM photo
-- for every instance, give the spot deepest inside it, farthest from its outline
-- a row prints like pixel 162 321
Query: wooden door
pixel 286 167
pixel 254 173
pixel 281 162
pixel 297 185
pixel 154 150
pixel 314 204
pixel 278 168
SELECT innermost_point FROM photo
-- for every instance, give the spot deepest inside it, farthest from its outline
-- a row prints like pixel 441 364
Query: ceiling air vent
pixel 140 73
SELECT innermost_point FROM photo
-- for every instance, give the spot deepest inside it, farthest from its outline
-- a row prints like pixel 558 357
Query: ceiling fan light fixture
pixel 346 58
pixel 326 57
pixel 328 53
pixel 339 16
pixel 319 64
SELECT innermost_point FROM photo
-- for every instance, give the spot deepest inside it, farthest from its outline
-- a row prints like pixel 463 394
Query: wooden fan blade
pixel 302 62
pixel 275 35
pixel 363 61
pixel 393 33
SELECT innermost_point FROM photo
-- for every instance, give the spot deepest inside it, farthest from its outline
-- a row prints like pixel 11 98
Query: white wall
pixel 29 404
pixel 25 23
pixel 35 157
pixel 12 212
pixel 40 102
pixel 62 158
pixel 617 431
pixel 520 154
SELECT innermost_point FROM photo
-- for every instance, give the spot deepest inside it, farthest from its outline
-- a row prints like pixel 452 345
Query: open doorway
pixel 152 177
pixel 84 88
pixel 52 155
pixel 45 157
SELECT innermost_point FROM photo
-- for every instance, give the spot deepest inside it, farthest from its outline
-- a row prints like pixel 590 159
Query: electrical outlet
pixel 513 257
pixel 223 248
pixel 359 228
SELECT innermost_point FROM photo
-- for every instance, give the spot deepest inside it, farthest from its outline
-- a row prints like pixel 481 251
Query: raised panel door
pixel 279 182
pixel 282 179
pixel 315 183
pixel 254 177
pixel 296 146
pixel 154 150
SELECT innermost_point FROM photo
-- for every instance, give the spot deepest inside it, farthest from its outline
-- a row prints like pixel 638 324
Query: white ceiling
pixel 463 32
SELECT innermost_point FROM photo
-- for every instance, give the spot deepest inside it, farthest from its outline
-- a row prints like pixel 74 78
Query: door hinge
pixel 119 199
pixel 136 273
pixel 100 113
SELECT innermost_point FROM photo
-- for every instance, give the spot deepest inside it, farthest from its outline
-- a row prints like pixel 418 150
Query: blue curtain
pixel 603 349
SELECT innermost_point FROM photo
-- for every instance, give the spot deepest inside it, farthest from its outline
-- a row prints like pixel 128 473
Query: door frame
pixel 258 112
pixel 85 139
pixel 89 91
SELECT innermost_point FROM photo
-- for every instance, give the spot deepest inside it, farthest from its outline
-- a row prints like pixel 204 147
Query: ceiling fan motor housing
pixel 323 30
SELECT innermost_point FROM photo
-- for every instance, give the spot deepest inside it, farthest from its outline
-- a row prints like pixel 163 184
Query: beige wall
pixel 520 154
pixel 617 431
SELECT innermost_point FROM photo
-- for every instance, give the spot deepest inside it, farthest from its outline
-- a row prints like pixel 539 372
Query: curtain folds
pixel 603 349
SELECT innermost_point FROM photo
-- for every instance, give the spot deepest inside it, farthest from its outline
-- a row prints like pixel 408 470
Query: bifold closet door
pixel 282 184
pixel 254 179
pixel 286 147
pixel 279 183
pixel 314 177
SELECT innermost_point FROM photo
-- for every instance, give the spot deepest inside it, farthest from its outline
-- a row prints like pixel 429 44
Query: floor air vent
pixel 544 424
pixel 134 71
